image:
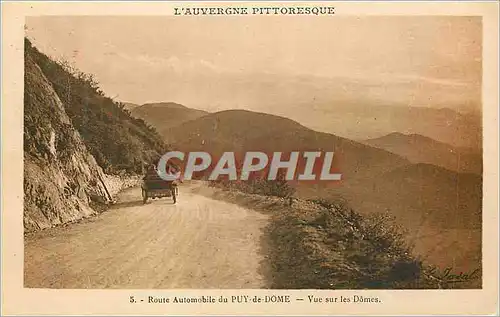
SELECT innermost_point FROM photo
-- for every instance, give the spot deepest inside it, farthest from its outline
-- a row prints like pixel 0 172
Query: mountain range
pixel 420 149
pixel 432 188
pixel 353 108
pixel 164 115
pixel 241 131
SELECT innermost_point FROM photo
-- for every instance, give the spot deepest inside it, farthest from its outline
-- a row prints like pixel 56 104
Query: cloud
pixel 170 63
pixel 402 79
pixel 433 80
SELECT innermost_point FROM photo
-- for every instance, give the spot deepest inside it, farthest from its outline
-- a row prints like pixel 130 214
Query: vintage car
pixel 153 186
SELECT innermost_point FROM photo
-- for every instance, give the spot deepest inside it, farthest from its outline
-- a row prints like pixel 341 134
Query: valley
pixel 432 189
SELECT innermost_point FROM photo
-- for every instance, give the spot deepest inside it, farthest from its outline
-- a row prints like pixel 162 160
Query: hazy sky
pixel 423 61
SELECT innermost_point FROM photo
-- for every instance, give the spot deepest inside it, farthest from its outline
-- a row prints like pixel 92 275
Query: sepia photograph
pixel 396 99
pixel 225 154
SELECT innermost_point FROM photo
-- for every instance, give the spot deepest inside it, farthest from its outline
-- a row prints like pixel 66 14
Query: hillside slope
pixel 441 210
pixel 60 176
pixel 241 130
pixel 420 149
pixel 71 132
pixel 116 139
pixel 451 200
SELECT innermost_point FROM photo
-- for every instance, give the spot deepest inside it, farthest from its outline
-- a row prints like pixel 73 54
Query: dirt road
pixel 197 243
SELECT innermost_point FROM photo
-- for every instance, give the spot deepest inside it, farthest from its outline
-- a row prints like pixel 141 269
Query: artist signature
pixel 448 276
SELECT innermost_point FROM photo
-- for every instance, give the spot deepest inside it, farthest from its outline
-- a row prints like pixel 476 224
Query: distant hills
pixel 361 121
pixel 129 106
pixel 164 115
pixel 420 149
pixel 417 179
pixel 241 130
pixel 353 108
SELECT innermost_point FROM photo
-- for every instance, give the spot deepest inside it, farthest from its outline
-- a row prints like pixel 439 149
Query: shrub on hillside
pixel 260 186
pixel 337 248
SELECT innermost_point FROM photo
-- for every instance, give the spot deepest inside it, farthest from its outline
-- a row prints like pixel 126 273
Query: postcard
pixel 250 158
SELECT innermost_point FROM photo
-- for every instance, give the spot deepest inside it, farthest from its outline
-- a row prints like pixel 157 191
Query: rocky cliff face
pixel 61 177
pixel 76 143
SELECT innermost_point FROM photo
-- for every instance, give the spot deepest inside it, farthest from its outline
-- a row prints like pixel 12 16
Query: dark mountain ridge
pixel 164 115
pixel 242 130
pixel 421 149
